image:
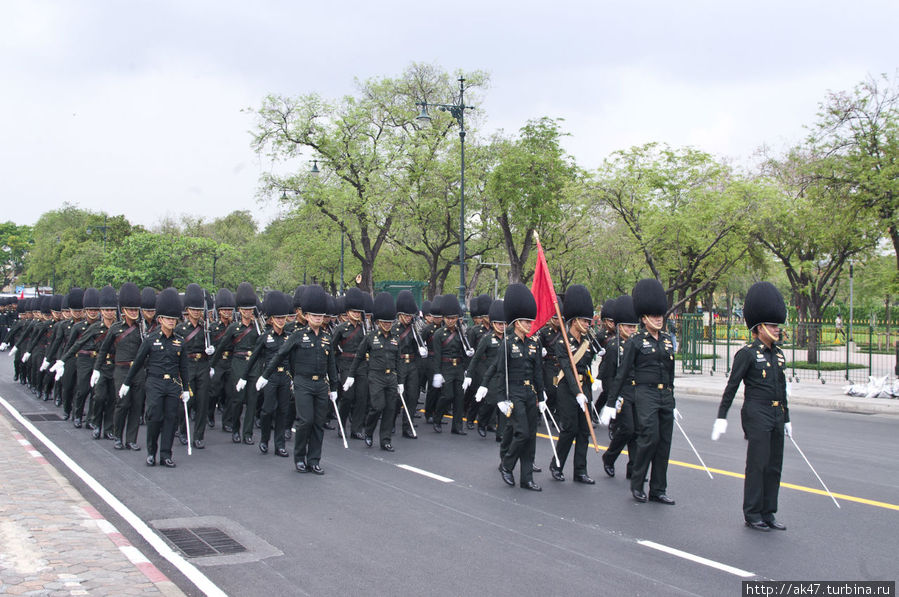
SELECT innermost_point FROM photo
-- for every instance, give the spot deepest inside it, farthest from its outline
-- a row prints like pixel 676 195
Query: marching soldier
pixel 224 308
pixel 621 408
pixel 36 349
pixel 120 346
pixel 433 321
pixel 64 367
pixel 162 354
pixel 413 351
pixel 58 340
pixel 239 340
pixel 480 307
pixel 347 338
pixel 649 360
pixel 380 347
pixel 276 393
pixel 310 357
pixel 103 404
pixel 548 335
pixel 765 415
pixel 486 352
pixel 571 402
pixel 196 345
pixel 449 366
pixel 519 364
pixel 82 347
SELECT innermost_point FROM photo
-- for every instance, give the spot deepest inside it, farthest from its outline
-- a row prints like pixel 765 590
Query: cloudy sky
pixel 135 107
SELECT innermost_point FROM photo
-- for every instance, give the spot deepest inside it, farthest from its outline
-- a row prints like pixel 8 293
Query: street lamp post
pixel 457 111
pixel 104 228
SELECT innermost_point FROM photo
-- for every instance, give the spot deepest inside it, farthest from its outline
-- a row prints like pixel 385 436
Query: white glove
pixel 601 353
pixel 211 372
pixel 788 429
pixel 56 366
pixel 479 395
pixel 543 352
pixel 241 384
pixel 596 387
pixel 210 350
pixel 260 383
pixel 542 406
pixel 25 357
pixel 605 417
pixel 185 397
pixel 581 401
pixel 789 390
pixel 332 396
pixel 505 407
pixel 60 371
pixel 123 391
pixel 14 350
pixel 438 380
pixel 465 383
pixel 678 416
pixel 400 389
pixel 3 346
pixel 469 352
pixel 423 352
pixel 719 428
pixel 348 383
pixel 95 377
pixel 44 364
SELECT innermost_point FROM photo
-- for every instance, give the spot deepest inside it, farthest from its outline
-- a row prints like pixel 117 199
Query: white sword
pixel 408 415
pixel 837 504
pixel 694 448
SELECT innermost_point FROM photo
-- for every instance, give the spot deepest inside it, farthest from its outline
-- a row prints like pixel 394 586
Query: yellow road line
pixel 718 471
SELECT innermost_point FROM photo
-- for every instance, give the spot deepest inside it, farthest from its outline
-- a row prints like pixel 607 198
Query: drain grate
pixel 202 541
pixel 43 417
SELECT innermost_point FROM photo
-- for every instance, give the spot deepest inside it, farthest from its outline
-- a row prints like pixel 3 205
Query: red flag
pixel 543 291
pixel 22 296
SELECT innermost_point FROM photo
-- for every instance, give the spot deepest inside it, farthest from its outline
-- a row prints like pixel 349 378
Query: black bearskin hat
pixel 497 313
pixel 384 307
pixel 764 304
pixel 44 304
pixel 368 303
pixel 194 297
pixel 76 298
pixel 298 297
pixel 354 300
pixel 168 303
pixel 449 306
pixel 315 300
pixel 340 305
pixel 129 296
pixel 649 298
pixel 577 303
pixel 148 298
pixel 519 303
pixel 332 307
pixel 108 298
pixel 224 299
pixel 246 296
pixel 91 298
pixel 405 303
pixel 622 310
pixel 277 304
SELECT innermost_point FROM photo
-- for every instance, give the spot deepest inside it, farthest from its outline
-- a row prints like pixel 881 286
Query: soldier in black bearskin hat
pixel 648 361
pixel 276 393
pixel 765 416
pixel 449 366
pixel 621 408
pixel 166 362
pixel 82 347
pixel 309 356
pixel 380 348
pixel 433 322
pixel 65 369
pixel 104 391
pixel 486 352
pixel 198 350
pixel 120 345
pixel 238 341
pixel 571 402
pixel 221 375
pixel 413 352
pixel 347 338
pixel 479 309
pixel 519 365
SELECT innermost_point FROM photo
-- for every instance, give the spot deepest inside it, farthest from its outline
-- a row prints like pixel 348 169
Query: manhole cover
pixel 202 541
pixel 43 417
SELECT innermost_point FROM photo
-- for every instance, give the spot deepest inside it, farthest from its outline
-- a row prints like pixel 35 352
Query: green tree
pixel 685 213
pixel 859 131
pixel 15 242
pixel 524 191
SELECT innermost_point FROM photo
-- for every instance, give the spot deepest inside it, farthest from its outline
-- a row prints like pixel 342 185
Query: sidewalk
pixel 807 393
pixel 53 542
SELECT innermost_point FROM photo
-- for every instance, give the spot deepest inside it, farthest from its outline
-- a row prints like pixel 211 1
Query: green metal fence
pixel 820 350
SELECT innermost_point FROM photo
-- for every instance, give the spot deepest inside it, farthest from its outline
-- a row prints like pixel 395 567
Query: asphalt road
pixel 370 526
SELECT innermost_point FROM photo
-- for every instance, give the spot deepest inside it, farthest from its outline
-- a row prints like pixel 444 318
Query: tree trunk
pixel 814 332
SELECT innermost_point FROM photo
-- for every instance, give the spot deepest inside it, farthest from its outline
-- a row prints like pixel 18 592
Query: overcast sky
pixel 134 107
